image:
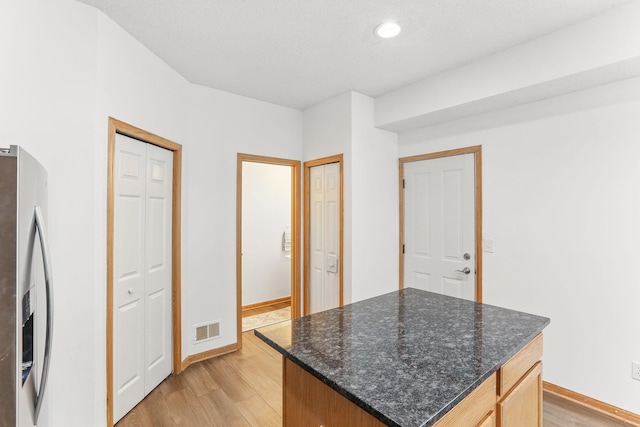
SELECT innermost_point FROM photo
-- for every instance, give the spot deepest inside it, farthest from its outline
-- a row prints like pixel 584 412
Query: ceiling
pixel 297 53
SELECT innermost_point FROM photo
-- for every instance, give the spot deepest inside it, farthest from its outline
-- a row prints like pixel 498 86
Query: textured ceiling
pixel 297 53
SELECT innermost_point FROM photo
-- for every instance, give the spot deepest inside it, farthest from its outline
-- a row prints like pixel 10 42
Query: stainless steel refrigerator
pixel 26 312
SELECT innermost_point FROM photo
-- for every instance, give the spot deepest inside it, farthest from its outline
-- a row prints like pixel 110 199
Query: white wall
pixel 344 124
pixel 561 198
pixel 48 106
pixel 266 215
pixel 69 68
pixel 134 86
pixel 374 200
pixel 327 132
pixel 221 125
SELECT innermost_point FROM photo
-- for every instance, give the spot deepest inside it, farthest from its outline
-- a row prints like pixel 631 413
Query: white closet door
pixel 129 275
pixel 142 271
pixel 324 292
pixel 158 249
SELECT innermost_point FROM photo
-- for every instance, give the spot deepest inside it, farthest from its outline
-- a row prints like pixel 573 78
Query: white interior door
pixel 158 250
pixel 324 223
pixel 142 271
pixel 439 221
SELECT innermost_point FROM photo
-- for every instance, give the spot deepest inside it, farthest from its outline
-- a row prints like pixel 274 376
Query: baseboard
pixel 593 404
pixel 267 303
pixel 199 357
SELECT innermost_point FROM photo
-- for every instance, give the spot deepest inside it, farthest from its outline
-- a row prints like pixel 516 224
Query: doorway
pixel 441 222
pixel 172 179
pixel 323 234
pixel 267 236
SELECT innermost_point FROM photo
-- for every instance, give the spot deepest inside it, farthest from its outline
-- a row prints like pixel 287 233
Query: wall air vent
pixel 207 331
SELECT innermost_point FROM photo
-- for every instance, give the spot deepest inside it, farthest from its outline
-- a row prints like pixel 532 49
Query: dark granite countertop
pixel 407 357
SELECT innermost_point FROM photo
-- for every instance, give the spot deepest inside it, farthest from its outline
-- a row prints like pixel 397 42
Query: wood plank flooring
pixel 244 389
pixel 560 412
pixel 260 310
pixel 241 389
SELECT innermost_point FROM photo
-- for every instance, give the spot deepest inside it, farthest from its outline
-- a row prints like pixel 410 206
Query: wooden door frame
pixel 338 158
pixel 115 127
pixel 295 232
pixel 476 150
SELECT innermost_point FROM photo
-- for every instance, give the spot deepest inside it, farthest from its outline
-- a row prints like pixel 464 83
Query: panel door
pixel 324 242
pixel 129 275
pixel 158 267
pixel 439 221
pixel 142 345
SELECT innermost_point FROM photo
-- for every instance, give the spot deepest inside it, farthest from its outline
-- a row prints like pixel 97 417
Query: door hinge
pixel 403 248
pixel 403 184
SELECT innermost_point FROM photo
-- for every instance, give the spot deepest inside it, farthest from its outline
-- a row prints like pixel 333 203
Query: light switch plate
pixel 488 245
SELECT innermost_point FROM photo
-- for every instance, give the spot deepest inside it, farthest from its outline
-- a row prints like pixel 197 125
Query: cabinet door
pixel 522 406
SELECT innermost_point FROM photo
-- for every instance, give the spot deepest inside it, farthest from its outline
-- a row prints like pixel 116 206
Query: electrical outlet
pixel 636 370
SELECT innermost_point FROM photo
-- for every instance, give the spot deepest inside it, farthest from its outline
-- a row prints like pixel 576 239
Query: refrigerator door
pixel 25 291
pixel 33 293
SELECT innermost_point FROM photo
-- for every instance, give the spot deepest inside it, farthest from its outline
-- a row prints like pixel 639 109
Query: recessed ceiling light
pixel 388 30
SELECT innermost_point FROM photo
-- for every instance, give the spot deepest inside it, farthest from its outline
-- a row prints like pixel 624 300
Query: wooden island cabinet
pixel 386 362
pixel 511 397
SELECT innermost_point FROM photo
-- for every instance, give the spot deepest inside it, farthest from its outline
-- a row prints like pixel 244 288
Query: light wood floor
pixel 260 310
pixel 244 389
pixel 559 412
pixel 241 389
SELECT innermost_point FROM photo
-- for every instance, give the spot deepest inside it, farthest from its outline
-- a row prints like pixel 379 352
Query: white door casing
pixel 324 277
pixel 439 221
pixel 142 355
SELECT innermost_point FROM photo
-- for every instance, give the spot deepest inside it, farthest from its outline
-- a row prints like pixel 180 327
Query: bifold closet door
pixel 324 245
pixel 142 344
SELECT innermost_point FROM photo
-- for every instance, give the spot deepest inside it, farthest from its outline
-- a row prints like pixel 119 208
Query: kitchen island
pixel 411 358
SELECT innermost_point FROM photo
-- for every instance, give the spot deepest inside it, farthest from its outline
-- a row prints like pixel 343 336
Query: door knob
pixel 465 270
pixel 130 291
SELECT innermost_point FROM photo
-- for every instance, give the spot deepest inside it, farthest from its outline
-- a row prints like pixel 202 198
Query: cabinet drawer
pixel 489 421
pixel 519 365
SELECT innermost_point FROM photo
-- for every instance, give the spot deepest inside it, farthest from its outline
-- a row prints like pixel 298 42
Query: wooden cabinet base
pixel 512 397
pixel 309 402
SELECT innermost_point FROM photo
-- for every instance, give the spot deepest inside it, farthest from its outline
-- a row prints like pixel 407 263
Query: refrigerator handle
pixel 40 227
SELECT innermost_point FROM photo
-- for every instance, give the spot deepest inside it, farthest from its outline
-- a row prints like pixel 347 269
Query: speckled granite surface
pixel 407 357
